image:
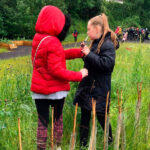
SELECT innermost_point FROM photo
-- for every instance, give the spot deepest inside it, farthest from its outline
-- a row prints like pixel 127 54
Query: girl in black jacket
pixel 99 60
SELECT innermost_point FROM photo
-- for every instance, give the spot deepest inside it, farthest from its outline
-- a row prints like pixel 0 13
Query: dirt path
pixel 26 50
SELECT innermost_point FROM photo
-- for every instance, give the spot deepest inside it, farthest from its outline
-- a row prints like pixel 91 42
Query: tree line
pixel 18 17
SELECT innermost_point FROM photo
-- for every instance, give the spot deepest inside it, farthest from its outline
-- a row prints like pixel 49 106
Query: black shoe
pixel 110 140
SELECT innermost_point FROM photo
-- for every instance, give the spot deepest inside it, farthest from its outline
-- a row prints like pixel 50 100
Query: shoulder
pixel 108 44
pixel 46 40
pixel 53 41
pixel 53 44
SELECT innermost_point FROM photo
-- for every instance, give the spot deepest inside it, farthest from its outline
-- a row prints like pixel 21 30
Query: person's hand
pixel 82 45
pixel 85 50
pixel 84 72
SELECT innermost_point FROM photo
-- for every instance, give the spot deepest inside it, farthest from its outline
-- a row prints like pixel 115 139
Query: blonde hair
pixel 103 22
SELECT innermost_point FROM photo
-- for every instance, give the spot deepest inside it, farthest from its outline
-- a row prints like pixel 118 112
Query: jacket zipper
pixel 92 87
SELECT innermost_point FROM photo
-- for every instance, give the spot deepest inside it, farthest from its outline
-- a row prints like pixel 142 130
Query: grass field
pixel 2 50
pixel 70 38
pixel 132 66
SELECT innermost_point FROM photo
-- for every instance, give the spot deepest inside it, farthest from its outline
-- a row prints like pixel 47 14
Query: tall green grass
pixel 15 100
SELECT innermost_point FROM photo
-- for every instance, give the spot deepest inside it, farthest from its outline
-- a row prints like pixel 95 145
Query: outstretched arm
pixel 73 53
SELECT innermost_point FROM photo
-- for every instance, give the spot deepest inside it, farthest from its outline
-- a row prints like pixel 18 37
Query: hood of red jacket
pixel 51 21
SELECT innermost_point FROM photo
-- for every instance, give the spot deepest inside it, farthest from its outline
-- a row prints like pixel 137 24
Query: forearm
pixel 73 53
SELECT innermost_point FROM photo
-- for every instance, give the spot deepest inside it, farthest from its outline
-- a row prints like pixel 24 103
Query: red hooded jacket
pixel 49 73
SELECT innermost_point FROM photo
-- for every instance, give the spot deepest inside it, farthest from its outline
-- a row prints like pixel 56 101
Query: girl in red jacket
pixel 50 78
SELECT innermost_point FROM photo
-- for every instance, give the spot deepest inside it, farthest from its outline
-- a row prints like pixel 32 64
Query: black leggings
pixel 84 125
pixel 42 106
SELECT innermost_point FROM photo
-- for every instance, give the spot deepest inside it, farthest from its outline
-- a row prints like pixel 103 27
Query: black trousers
pixel 84 126
pixel 75 39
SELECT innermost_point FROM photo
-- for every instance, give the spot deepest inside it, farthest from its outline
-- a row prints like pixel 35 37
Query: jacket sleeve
pixel 105 61
pixel 56 66
pixel 73 53
pixel 32 57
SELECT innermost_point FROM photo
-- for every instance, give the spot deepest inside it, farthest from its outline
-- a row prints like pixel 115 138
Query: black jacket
pixel 100 67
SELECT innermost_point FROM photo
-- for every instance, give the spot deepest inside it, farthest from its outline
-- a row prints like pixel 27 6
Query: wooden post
pixel 137 114
pixel 105 129
pixel 148 124
pixel 19 129
pixel 93 124
pixel 119 124
pixel 74 128
pixel 75 116
pixel 52 131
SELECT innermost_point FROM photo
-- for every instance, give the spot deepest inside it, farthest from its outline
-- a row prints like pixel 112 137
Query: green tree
pixel 18 17
pixel 145 13
pixel 83 9
pixel 3 32
pixel 7 11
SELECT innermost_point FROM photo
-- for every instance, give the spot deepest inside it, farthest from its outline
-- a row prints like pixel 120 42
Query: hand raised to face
pixel 85 50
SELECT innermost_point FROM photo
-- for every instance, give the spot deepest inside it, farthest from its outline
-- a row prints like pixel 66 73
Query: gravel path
pixel 26 50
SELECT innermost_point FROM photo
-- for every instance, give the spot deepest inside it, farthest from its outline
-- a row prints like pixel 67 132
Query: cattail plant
pixel 106 130
pixel 92 145
pixel 73 135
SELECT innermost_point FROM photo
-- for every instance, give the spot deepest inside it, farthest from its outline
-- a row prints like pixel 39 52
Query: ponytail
pixel 102 20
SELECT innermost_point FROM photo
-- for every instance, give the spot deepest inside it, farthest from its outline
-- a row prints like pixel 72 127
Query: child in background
pixel 99 60
pixel 125 36
pixel 75 35
pixel 50 78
